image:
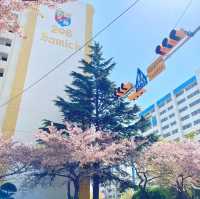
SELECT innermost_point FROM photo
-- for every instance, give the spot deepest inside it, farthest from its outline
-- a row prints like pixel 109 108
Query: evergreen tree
pixel 90 101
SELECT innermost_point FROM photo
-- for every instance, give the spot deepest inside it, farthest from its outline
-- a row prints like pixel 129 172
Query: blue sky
pixel 132 40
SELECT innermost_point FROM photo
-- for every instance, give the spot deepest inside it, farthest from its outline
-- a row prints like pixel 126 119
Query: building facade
pixel 52 35
pixel 177 114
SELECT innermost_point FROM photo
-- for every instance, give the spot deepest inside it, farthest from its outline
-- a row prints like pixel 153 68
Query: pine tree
pixel 90 101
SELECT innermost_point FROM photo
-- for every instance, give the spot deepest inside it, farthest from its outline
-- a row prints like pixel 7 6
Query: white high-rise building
pixel 177 113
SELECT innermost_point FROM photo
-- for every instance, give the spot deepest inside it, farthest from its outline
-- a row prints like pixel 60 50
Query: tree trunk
pixel 76 189
pixel 68 190
pixel 95 187
pixel 182 195
pixel 144 194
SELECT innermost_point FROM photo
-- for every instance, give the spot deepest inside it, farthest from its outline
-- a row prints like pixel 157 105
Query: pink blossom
pixel 9 8
pixel 177 163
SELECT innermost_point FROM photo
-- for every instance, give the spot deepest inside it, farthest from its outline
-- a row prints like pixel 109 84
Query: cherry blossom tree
pixel 12 158
pixel 9 8
pixel 175 164
pixel 72 153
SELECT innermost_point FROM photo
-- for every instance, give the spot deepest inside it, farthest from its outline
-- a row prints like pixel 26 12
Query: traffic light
pixel 177 35
pixel 124 89
pixel 136 95
pixel 162 50
pixel 168 44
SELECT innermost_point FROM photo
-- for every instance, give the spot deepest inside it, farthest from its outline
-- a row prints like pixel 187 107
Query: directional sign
pixel 156 68
pixel 141 80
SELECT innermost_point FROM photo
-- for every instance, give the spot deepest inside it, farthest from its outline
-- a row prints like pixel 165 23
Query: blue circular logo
pixel 62 18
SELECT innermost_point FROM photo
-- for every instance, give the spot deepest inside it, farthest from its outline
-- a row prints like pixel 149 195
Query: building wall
pixel 177 113
pixel 46 45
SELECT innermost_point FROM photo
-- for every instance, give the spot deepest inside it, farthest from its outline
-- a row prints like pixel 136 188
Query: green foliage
pixel 157 193
pixel 127 195
pixel 190 135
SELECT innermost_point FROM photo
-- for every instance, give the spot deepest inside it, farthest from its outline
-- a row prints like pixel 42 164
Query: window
pixel 187 126
pixel 170 108
pixel 155 132
pixel 161 105
pixel 172 115
pixel 181 101
pixel 164 119
pixel 197 122
pixel 1 72
pixel 175 131
pixel 193 94
pixel 3 56
pixel 165 127
pixel 5 41
pixel 183 109
pixel 191 86
pixel 196 112
pixel 185 117
pixel 163 112
pixel 166 135
pixel 180 93
pixel 173 123
pixel 195 103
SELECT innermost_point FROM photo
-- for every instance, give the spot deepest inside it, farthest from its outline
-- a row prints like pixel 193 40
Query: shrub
pixel 157 193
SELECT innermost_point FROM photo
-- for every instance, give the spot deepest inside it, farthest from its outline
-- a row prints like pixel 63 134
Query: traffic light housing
pixel 124 89
pixel 162 50
pixel 135 95
pixel 177 35
pixel 168 44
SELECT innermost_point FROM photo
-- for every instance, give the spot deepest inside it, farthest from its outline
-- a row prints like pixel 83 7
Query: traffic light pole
pixel 190 36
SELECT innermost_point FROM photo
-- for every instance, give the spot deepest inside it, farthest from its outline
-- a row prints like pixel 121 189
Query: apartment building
pixel 178 112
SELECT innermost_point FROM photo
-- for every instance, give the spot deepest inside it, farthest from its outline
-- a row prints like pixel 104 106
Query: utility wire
pixel 180 18
pixel 183 13
pixel 71 55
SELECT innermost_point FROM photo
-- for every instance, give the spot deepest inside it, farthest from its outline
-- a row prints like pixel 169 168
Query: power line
pixel 183 13
pixel 71 55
